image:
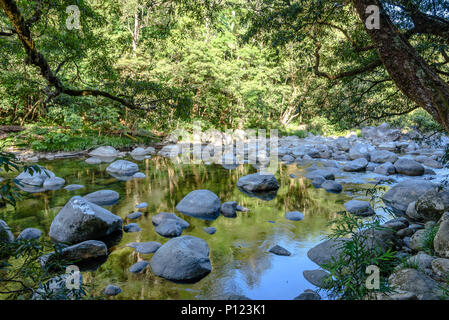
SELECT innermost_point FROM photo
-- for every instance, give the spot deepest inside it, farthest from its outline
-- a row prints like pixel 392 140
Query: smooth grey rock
pixel 210 230
pixel 54 183
pixel 5 232
pixel 72 187
pixel 416 282
pixel 169 225
pixel 328 175
pixel 103 197
pixel 30 234
pixel 123 168
pixel 382 156
pixel 386 169
pixel 280 251
pixel 402 194
pixel 134 215
pixel 317 182
pixel 80 220
pixel 145 247
pixel 360 150
pixel 294 216
pixel 132 227
pixel 257 182
pixel 112 290
pixel 105 151
pixel 356 165
pixel 139 175
pixel 422 260
pixel 228 209
pixel 418 239
pixel 332 186
pixel 319 278
pixel 184 259
pixel 429 162
pixel 409 167
pixel 200 204
pixel 359 208
pixel 323 252
pixel 138 267
pixel 93 160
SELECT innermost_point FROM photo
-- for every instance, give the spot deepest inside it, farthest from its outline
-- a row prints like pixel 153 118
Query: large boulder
pixel 409 167
pixel 441 240
pixel 356 165
pixel 431 205
pixel 5 232
pixel 200 204
pixel 81 220
pixel 382 156
pixel 122 168
pixel 104 152
pixel 183 259
pixel 258 182
pixel 360 150
pixel 103 197
pixel 415 282
pixel 402 194
pixel 359 208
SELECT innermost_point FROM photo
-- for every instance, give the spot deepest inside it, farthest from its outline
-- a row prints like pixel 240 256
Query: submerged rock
pixel 103 197
pixel 258 182
pixel 294 216
pixel 200 204
pixel 112 290
pixel 308 295
pixel 184 259
pixel 138 267
pixel 73 187
pixel 81 220
pixel 228 209
pixel 280 251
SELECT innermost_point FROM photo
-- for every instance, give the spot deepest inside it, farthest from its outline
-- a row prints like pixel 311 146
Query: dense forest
pixel 124 71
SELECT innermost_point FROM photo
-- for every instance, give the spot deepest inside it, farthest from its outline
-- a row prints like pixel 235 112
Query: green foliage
pixel 429 238
pixel 349 269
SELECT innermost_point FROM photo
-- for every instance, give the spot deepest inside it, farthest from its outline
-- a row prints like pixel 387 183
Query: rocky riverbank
pixel 406 162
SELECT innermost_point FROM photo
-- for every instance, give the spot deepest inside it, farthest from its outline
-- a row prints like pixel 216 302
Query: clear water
pixel 241 263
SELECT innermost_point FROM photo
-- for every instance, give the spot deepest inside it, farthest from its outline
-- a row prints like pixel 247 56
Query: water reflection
pixel 238 250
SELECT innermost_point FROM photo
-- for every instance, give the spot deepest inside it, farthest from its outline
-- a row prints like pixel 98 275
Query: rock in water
pixel 54 183
pixel 294 216
pixel 200 204
pixel 323 252
pixel 106 152
pixel 319 278
pixel 258 183
pixel 385 169
pixel 73 187
pixel 356 165
pixel 112 290
pixel 280 251
pixel 138 267
pixel 134 215
pixel 5 233
pixel 210 230
pixel 123 168
pixel 382 156
pixel 332 186
pixel 359 208
pixel 30 234
pixel 132 227
pixel 183 259
pixel 169 225
pixel 409 167
pixel 308 295
pixel 402 194
pixel 103 197
pixel 142 205
pixel 81 220
pixel 82 251
pixel 228 209
pixel 145 247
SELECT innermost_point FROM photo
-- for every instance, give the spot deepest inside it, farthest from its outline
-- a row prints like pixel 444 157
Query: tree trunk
pixel 412 75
